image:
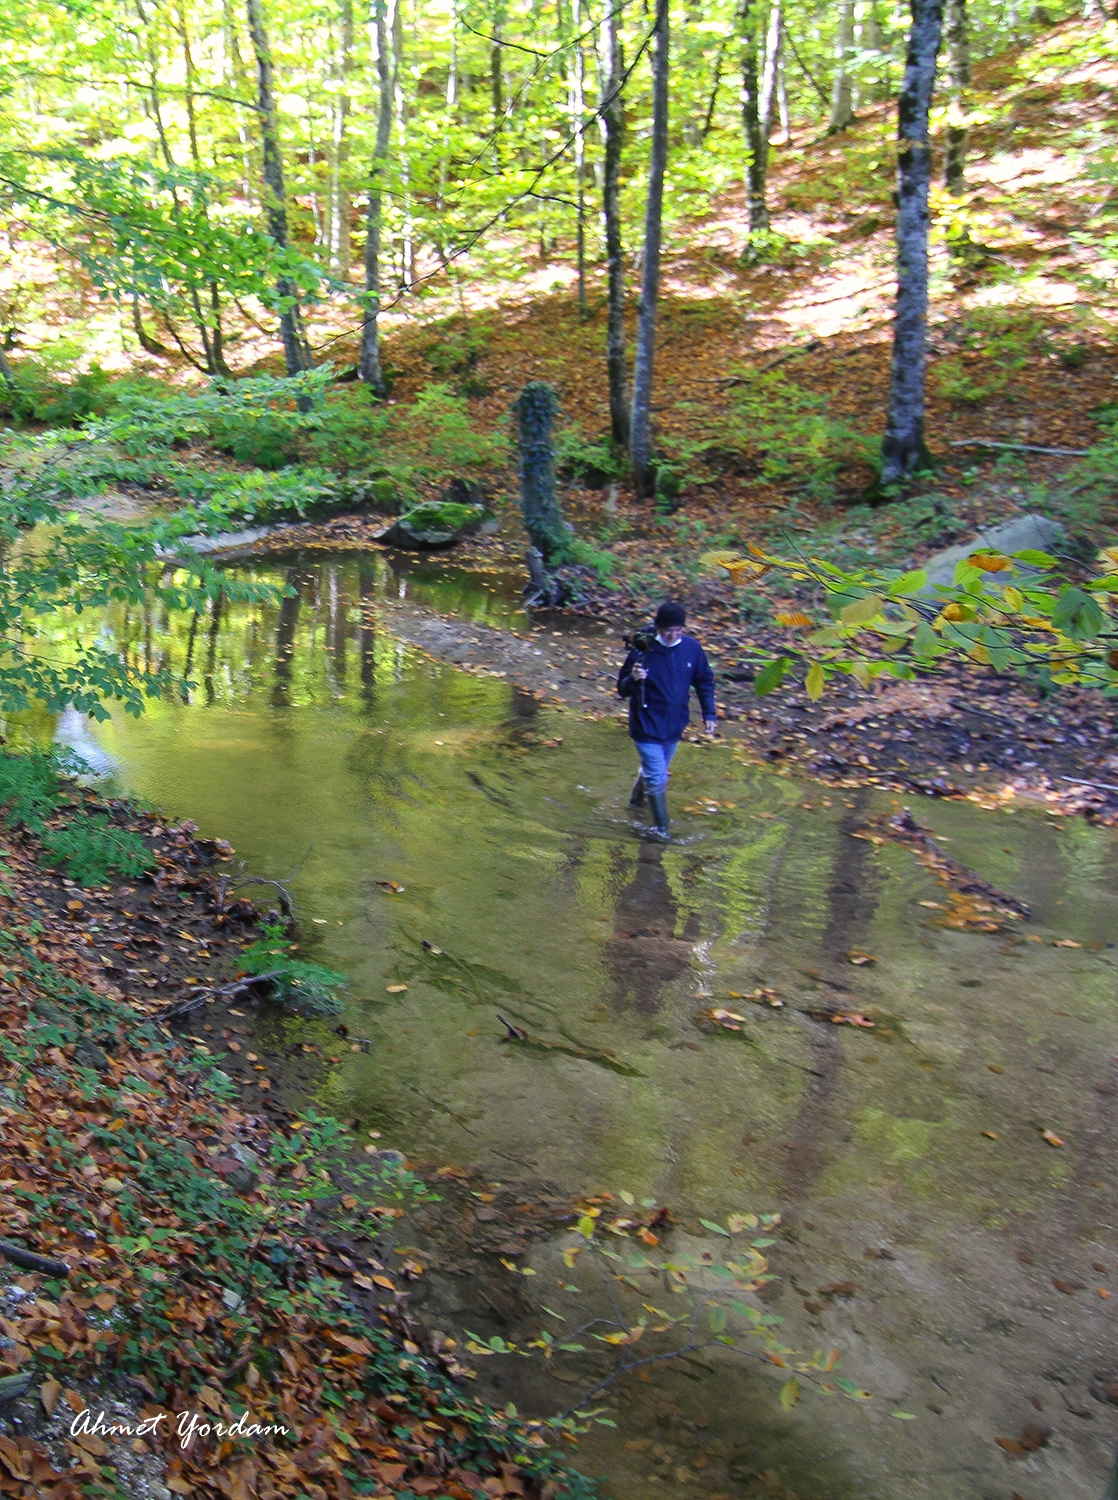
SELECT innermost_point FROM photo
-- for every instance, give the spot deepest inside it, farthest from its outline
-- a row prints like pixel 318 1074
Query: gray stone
pixel 434 524
pixel 1025 533
pixel 89 1055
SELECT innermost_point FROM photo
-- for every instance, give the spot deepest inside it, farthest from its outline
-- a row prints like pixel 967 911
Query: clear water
pixel 330 753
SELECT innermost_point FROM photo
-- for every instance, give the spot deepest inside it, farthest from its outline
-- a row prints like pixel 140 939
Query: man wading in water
pixel 657 677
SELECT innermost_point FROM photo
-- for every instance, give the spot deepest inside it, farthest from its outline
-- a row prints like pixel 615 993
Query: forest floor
pixel 150 1180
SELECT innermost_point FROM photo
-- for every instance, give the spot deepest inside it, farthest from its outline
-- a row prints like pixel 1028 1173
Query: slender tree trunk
pixel 339 211
pixel 370 368
pixel 613 123
pixel 715 90
pixel 782 102
pixel 295 352
pixel 407 227
pixel 958 81
pixel 774 45
pixel 903 450
pixel 756 143
pixel 842 110
pixel 215 350
pixel 496 74
pixel 148 344
pixel 640 430
pixel 578 107
pixel 451 102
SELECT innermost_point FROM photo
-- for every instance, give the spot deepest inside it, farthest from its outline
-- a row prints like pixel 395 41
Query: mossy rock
pixel 435 523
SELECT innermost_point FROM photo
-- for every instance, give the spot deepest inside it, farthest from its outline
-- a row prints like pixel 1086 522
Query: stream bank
pixel 188 1226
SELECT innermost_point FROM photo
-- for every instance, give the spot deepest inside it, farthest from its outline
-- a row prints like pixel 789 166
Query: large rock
pixel 435 523
pixel 1026 533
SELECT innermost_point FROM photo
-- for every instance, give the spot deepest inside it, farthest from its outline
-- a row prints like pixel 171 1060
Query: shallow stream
pixel 906 1159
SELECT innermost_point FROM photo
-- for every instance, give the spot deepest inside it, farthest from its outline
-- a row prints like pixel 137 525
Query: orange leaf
pixel 49 1392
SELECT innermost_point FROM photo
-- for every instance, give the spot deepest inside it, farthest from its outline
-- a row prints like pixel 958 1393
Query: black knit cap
pixel 669 614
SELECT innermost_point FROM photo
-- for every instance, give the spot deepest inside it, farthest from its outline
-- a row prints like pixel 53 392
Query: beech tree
pixel 903 449
pixel 640 434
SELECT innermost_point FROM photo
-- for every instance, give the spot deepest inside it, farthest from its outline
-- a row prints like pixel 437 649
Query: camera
pixel 640 640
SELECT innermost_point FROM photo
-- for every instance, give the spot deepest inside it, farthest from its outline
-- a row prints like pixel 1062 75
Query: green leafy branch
pixel 1016 612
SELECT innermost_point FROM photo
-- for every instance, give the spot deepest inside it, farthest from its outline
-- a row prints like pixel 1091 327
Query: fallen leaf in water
pixel 384 1281
pixel 857 956
pixel 728 1019
pixel 1051 1137
pixel 1102 1291
pixel 852 1018
pixel 391 887
pixel 934 905
pixel 321 921
pixel 1008 1445
pixel 1066 943
pixel 837 1289
pixel 395 989
pixel 1067 1287
pixel 990 1135
pixel 995 1068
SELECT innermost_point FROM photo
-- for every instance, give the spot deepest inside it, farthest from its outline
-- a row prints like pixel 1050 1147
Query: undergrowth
pixel 304 989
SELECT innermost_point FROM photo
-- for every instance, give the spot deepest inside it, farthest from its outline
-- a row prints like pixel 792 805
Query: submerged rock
pixel 1024 534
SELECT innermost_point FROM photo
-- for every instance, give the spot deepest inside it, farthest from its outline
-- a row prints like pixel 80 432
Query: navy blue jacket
pixel 672 672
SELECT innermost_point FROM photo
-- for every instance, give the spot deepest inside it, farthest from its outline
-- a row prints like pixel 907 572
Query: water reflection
pixel 505 824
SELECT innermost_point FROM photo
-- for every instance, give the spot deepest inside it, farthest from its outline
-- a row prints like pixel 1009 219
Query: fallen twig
pixel 205 993
pixel 1021 447
pixel 32 1262
pixel 1102 786
pixel 770 364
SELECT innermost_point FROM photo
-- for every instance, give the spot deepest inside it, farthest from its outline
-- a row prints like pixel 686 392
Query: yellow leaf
pixel 1109 559
pixel 570 1255
pixel 991 562
pixel 395 989
pixel 815 682
pixel 1051 1137
pixel 952 612
pixel 790 1393
pixel 793 617
pixel 1013 597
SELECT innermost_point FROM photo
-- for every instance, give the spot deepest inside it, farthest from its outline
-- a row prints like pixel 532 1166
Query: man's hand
pixel 711 726
pixel 638 673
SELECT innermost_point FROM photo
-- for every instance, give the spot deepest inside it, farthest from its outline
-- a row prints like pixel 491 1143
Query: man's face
pixel 670 634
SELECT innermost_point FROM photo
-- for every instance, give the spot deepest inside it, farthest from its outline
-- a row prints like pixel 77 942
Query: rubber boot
pixel 661 827
pixel 636 796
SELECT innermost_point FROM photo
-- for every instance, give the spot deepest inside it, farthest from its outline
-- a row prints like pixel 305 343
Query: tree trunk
pixel 407 227
pixel 756 142
pixel 903 450
pixel 338 213
pixel 148 344
pixel 715 90
pixel 496 74
pixel 640 429
pixel 535 410
pixel 774 41
pixel 613 123
pixel 295 352
pixel 578 107
pixel 369 367
pixel 215 347
pixel 958 81
pixel 782 102
pixel 842 109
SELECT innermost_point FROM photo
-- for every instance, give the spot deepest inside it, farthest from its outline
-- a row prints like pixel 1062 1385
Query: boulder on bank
pixel 1024 534
pixel 435 523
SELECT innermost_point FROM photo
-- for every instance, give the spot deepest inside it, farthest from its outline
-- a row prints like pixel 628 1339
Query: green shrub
pixel 29 788
pixel 304 989
pixel 91 848
pixel 349 432
pixel 586 461
pixel 455 347
pixel 790 434
pixel 38 393
pixel 435 438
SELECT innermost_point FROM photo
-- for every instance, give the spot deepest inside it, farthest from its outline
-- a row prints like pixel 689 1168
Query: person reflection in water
pixel 657 677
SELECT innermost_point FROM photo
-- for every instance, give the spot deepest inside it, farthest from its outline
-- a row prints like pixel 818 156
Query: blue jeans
pixel 656 757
